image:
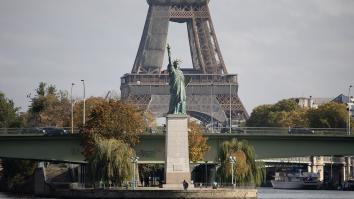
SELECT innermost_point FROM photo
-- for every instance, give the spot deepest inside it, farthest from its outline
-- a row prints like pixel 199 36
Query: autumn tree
pixel 114 119
pixel 112 128
pixel 150 120
pixel 246 169
pixel 90 104
pixel 197 142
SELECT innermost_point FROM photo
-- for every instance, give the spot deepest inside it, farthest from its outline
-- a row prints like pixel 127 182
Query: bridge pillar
pixel 317 166
pixel 347 167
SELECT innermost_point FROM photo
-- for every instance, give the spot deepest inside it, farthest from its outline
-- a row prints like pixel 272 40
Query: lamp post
pixel 349 101
pixel 232 161
pixel 84 99
pixel 206 174
pixel 230 109
pixel 211 108
pixel 134 161
pixel 72 108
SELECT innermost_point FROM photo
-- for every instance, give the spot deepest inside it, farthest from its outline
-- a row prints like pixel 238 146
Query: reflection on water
pixel 13 196
pixel 270 193
pixel 263 193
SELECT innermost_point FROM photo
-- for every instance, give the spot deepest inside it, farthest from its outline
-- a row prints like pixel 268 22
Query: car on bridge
pixel 49 131
pixel 300 130
pixel 32 131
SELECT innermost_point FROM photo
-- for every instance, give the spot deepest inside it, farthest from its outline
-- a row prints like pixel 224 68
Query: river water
pixel 263 193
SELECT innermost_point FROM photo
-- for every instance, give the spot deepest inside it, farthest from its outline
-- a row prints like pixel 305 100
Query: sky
pixel 279 48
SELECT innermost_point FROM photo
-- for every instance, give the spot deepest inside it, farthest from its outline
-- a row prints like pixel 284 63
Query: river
pixel 263 193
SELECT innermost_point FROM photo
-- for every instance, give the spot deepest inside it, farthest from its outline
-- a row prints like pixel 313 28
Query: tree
pixel 113 119
pixel 49 107
pixel 329 115
pixel 246 169
pixel 259 116
pixel 150 170
pixel 110 161
pixel 8 113
pixel 284 113
pixel 90 104
pixel 16 174
pixel 150 120
pixel 197 142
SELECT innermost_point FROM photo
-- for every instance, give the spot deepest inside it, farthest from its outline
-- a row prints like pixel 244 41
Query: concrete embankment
pixel 156 193
pixel 46 189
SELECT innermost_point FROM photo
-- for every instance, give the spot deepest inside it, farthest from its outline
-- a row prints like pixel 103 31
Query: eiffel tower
pixel 212 94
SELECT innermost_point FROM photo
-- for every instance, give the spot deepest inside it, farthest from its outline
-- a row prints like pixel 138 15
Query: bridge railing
pixel 216 130
pixel 282 131
pixel 37 131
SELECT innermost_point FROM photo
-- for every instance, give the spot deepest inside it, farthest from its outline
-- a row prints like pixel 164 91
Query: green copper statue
pixel 177 87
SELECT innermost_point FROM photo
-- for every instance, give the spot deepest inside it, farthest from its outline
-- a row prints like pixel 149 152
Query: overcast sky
pixel 279 48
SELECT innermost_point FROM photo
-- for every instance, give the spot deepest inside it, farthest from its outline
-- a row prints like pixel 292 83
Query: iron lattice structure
pixel 212 93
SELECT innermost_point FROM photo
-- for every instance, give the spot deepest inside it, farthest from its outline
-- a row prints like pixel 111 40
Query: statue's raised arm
pixel 169 54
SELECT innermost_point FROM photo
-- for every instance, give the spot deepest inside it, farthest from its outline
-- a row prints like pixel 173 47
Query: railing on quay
pixel 196 185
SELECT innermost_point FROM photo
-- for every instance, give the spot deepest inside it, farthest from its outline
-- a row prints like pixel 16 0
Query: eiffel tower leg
pixel 195 45
pixel 151 51
pixel 217 47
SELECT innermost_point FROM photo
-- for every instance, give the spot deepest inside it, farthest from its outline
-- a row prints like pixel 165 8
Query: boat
pixel 301 180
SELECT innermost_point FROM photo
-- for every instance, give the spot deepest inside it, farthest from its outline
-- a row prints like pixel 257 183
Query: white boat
pixel 305 180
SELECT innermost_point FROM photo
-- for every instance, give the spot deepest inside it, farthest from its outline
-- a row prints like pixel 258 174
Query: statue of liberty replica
pixel 176 144
pixel 177 86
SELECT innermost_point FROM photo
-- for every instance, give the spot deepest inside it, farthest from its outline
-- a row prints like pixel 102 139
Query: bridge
pixel 268 143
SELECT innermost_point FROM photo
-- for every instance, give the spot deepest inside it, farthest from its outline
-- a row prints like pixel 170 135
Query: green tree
pixel 110 161
pixel 197 142
pixel 15 172
pixel 329 115
pixel 246 169
pixel 284 113
pixel 17 175
pixel 49 107
pixel 259 116
pixel 8 113
pixel 286 105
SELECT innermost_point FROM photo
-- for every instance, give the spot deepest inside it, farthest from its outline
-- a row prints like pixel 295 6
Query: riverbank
pixel 158 193
pixel 262 193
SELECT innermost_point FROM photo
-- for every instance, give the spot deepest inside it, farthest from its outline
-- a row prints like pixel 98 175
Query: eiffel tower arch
pixel 212 94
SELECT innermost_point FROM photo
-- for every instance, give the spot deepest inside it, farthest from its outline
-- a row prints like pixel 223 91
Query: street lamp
pixel 72 108
pixel 206 174
pixel 211 107
pixel 349 102
pixel 84 99
pixel 134 161
pixel 230 109
pixel 232 161
pixel 349 107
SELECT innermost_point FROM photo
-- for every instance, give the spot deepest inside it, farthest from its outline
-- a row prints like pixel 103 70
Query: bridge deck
pixel 151 147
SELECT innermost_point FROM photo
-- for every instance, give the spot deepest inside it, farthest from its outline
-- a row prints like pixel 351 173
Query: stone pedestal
pixel 176 150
